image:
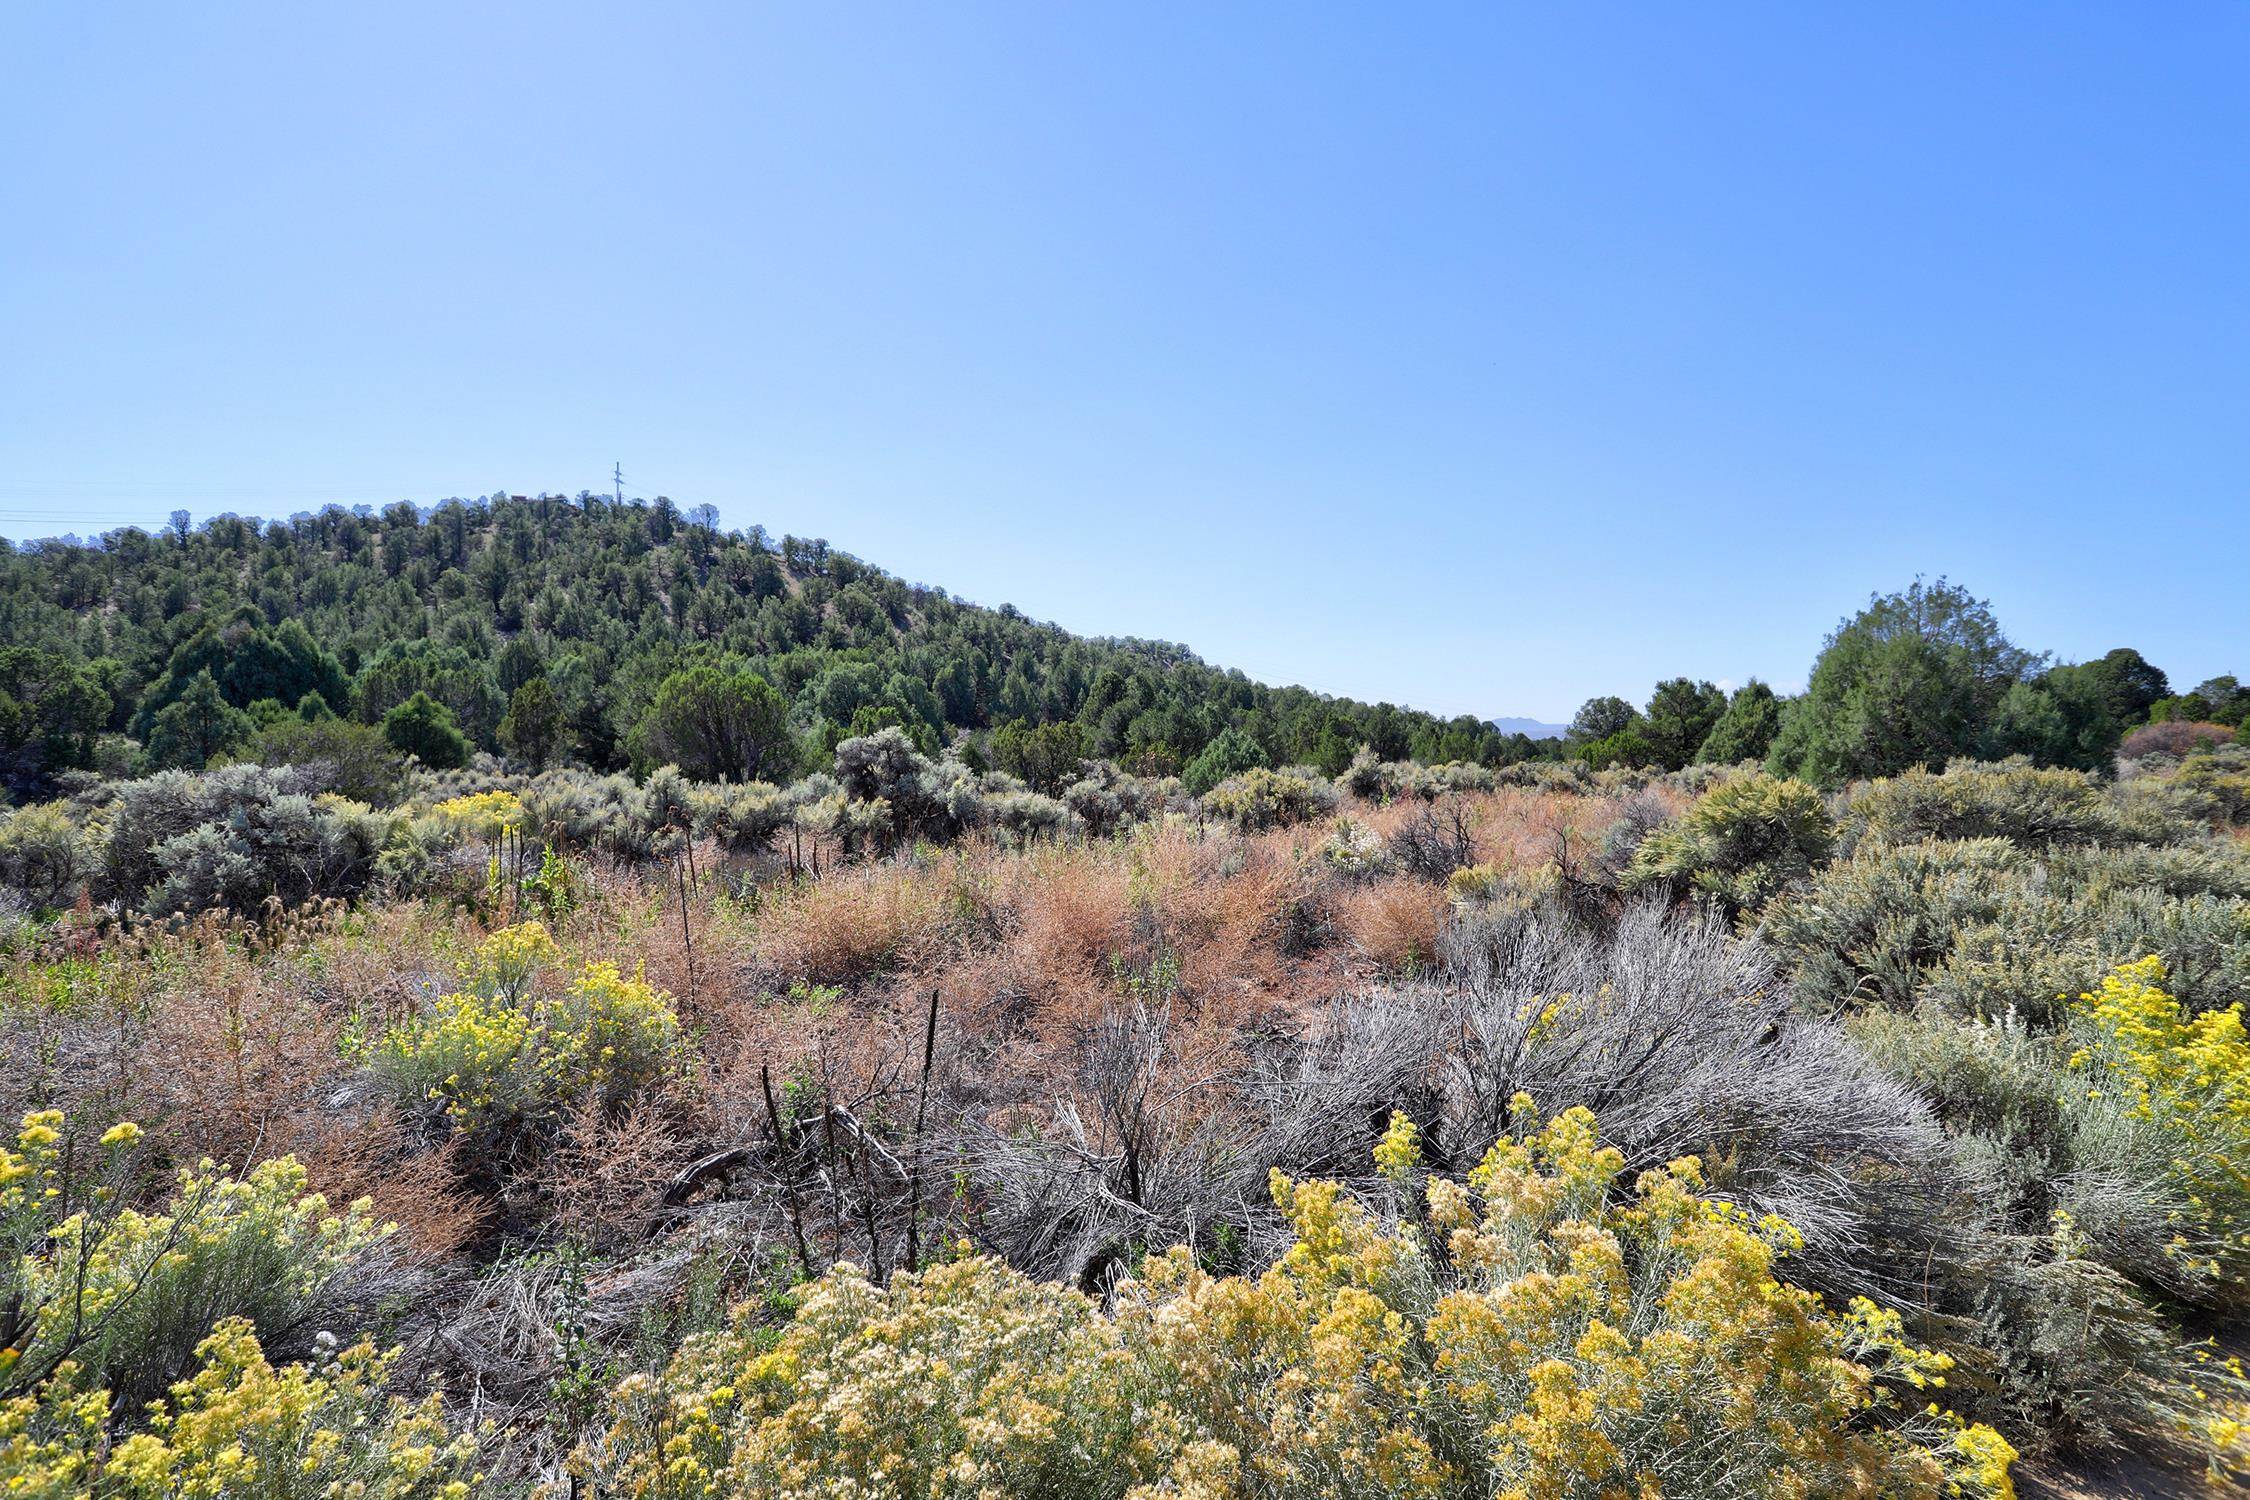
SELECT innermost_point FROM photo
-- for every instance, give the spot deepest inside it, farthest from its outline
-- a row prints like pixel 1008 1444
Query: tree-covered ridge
pixel 591 605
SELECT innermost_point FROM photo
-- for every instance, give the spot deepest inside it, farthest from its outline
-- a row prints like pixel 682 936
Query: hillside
pixel 601 602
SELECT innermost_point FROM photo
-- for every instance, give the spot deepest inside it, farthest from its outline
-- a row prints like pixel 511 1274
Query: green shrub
pixel 2086 1359
pixel 1026 816
pixel 126 1296
pixel 1991 1081
pixel 2032 807
pixel 1369 777
pixel 1871 928
pixel 424 728
pixel 45 855
pixel 1983 927
pixel 2220 790
pixel 1742 842
pixel 1106 798
pixel 1228 755
pixel 1260 798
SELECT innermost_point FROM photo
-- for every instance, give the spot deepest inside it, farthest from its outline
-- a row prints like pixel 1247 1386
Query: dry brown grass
pixel 408 1184
pixel 1517 828
pixel 233 1060
pixel 377 966
pixel 1059 916
pixel 607 1179
pixel 852 924
pixel 1227 909
pixel 1393 924
pixel 234 1050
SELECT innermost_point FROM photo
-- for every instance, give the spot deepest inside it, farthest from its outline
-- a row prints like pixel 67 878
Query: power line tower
pixel 617 473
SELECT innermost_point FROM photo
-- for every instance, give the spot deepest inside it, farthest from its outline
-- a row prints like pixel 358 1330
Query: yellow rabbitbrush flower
pixel 1566 1346
pixel 963 1379
pixel 240 1428
pixel 501 1058
pixel 109 1287
pixel 34 1165
pixel 108 1303
pixel 1649 1347
pixel 488 814
pixel 1399 1152
pixel 504 964
pixel 2147 1069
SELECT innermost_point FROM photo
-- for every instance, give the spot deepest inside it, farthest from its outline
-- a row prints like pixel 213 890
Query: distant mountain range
pixel 1531 729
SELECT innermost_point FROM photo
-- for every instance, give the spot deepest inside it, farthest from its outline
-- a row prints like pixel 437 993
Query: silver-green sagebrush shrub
pixel 240 837
pixel 1983 926
pixel 45 856
pixel 2114 1195
pixel 2028 805
pixel 1261 798
pixel 1108 799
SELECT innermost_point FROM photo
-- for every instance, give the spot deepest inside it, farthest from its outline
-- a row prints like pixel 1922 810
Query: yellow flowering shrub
pixel 1541 1341
pixel 127 1295
pixel 239 1427
pixel 963 1379
pixel 613 1036
pixel 103 1305
pixel 486 814
pixel 502 1057
pixel 1399 1151
pixel 505 963
pixel 2176 1088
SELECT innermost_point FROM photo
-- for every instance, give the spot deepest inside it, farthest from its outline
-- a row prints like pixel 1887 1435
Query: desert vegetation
pixel 549 999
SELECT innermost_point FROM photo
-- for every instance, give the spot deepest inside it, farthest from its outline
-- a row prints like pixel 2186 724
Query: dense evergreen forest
pixel 546 627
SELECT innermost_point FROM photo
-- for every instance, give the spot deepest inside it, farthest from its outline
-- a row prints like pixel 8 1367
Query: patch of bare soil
pixel 2123 1476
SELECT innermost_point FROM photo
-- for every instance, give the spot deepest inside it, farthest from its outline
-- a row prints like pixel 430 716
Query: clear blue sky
pixel 1479 358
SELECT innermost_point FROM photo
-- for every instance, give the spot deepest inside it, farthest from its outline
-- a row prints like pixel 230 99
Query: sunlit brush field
pixel 1532 1131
